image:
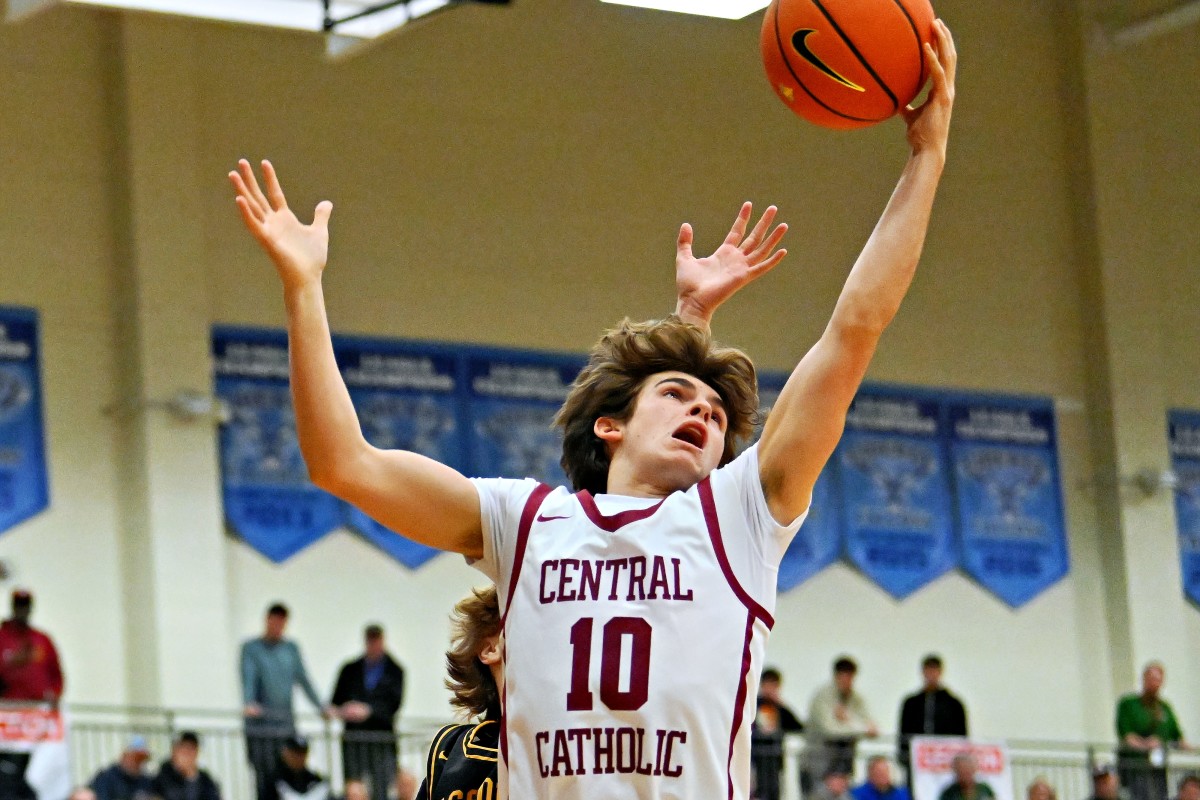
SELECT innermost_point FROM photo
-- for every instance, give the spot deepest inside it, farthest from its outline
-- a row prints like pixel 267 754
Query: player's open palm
pixel 703 284
pixel 298 250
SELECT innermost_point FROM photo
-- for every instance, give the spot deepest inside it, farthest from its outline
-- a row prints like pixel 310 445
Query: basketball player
pixel 463 758
pixel 635 611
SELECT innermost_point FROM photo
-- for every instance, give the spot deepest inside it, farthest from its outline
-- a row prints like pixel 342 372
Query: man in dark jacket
pixel 772 722
pixel 933 711
pixel 125 780
pixel 368 696
pixel 180 777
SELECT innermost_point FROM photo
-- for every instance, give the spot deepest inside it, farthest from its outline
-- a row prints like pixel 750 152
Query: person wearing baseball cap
pixel 125 779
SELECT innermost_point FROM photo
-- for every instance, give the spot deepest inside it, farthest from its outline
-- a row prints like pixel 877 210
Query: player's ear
pixel 492 652
pixel 608 430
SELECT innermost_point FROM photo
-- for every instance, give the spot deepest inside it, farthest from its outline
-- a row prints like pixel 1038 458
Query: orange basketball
pixel 846 63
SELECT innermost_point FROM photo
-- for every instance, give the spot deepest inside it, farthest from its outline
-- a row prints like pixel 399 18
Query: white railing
pixel 97 735
pixel 1066 766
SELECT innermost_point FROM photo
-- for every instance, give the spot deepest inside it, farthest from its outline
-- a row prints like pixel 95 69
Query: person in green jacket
pixel 965 785
pixel 1146 727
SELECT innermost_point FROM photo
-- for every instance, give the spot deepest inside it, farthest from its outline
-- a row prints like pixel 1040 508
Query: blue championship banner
pixel 1014 539
pixel 23 483
pixel 513 396
pixel 1183 430
pixel 268 498
pixel 896 490
pixel 818 543
pixel 407 398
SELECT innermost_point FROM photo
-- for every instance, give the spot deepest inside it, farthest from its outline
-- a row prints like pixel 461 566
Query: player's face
pixel 676 434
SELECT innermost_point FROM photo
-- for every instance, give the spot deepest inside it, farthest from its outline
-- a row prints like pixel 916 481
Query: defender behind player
pixel 462 758
pixel 635 620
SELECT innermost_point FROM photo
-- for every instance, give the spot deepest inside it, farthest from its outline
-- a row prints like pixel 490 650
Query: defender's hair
pixel 475 618
pixel 619 365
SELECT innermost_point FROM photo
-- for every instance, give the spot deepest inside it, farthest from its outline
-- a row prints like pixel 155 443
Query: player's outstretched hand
pixel 298 250
pixel 703 284
pixel 929 123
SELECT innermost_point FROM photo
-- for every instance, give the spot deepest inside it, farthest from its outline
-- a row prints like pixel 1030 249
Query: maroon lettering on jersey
pixel 625 750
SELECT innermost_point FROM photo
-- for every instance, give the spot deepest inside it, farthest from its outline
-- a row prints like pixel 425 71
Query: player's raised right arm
pixel 427 501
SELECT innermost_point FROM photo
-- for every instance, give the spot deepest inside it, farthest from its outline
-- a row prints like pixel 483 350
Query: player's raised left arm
pixel 703 284
pixel 808 419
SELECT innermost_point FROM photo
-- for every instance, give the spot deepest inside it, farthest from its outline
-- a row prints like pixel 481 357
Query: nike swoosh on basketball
pixel 544 518
pixel 800 44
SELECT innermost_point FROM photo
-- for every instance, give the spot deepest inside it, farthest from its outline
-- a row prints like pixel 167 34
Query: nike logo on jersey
pixel 442 757
pixel 544 518
pixel 800 44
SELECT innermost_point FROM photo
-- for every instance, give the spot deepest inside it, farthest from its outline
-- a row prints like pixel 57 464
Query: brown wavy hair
pixel 474 619
pixel 619 365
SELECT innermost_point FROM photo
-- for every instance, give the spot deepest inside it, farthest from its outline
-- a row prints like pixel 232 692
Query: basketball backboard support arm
pixel 348 25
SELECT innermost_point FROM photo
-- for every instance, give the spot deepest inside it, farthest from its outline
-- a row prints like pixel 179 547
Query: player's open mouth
pixel 692 433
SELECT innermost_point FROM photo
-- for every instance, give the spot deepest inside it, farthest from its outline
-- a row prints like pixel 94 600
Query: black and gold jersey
pixel 462 763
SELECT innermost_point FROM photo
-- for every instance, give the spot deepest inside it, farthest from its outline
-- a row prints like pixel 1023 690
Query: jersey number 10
pixel 614 631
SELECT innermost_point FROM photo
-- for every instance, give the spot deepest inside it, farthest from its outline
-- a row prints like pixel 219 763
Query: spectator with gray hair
pixel 879 784
pixel 965 785
pixel 1040 789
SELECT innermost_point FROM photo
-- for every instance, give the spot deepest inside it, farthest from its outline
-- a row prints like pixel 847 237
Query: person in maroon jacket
pixel 29 673
pixel 29 668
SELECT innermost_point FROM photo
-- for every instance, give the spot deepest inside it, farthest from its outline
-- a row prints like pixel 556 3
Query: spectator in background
pixel 772 722
pixel 1189 788
pixel 180 776
pixel 1040 789
pixel 29 668
pixel 29 672
pixel 1146 726
pixel 835 785
pixel 1104 784
pixel 837 719
pixel 357 790
pixel 368 695
pixel 879 784
pixel 125 780
pixel 965 786
pixel 292 779
pixel 933 711
pixel 271 666
pixel 406 785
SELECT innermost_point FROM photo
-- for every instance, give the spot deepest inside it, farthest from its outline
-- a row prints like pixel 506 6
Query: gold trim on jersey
pixel 469 744
pixel 435 753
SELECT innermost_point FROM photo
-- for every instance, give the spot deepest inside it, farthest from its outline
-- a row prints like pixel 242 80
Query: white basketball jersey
pixel 634 635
